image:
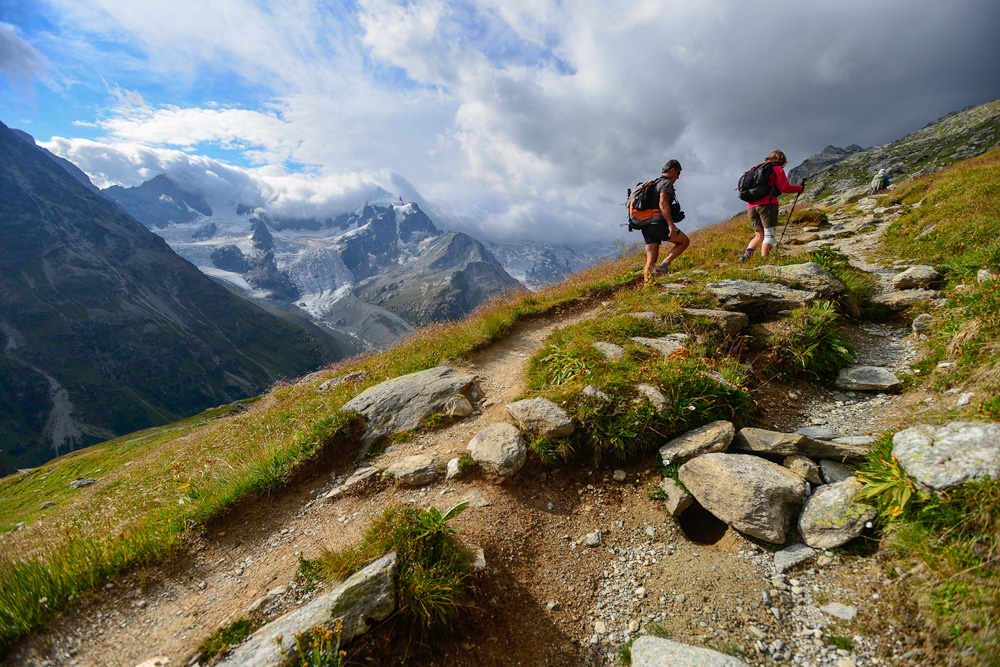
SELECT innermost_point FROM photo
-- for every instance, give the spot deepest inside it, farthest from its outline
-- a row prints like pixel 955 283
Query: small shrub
pixel 432 566
pixel 557 366
pixel 841 642
pixel 317 647
pixel 885 482
pixel 810 344
pixel 625 652
pixel 219 641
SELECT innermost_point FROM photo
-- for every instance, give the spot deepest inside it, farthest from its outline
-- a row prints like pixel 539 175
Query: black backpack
pixel 643 204
pixel 753 186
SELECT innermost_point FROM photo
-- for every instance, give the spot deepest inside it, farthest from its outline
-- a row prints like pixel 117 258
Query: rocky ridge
pixel 957 136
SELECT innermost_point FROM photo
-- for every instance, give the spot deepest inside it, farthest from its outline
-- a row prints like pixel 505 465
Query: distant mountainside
pixel 538 265
pixel 826 157
pixel 159 202
pixel 371 275
pixel 105 330
pixel 957 136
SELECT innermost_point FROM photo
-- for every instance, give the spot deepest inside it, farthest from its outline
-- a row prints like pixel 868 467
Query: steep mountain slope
pixel 159 202
pixel 105 329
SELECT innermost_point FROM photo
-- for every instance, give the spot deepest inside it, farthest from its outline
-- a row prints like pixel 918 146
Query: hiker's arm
pixel 781 181
pixel 665 212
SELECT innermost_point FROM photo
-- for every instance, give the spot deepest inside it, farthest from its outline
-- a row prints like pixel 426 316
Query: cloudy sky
pixel 508 119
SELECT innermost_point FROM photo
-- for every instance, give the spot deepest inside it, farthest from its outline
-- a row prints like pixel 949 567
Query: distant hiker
pixel 661 228
pixel 763 212
pixel 879 182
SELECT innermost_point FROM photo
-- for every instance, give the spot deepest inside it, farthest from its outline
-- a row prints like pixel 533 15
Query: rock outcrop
pixel 402 403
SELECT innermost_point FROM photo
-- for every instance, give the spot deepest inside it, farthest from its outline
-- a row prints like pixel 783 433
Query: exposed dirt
pixel 543 594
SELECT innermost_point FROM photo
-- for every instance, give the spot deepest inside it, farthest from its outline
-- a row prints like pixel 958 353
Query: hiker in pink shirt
pixel 763 213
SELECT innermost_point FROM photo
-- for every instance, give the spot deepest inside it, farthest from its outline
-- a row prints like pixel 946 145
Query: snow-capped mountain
pixel 373 273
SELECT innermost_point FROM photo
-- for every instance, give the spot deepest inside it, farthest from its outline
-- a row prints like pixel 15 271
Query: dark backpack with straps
pixel 753 184
pixel 643 205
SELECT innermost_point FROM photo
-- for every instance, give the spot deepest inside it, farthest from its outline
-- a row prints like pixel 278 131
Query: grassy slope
pixel 156 484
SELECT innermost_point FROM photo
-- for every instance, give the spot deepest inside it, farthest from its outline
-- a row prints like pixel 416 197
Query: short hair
pixel 777 157
pixel 671 164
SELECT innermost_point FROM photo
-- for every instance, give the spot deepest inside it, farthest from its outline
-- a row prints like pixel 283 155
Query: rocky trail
pixel 577 562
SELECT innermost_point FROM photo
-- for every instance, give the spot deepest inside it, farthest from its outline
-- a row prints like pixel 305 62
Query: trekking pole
pixel 788 219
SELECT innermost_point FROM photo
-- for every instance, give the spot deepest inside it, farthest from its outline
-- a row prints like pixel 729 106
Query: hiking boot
pixel 663 267
pixel 744 257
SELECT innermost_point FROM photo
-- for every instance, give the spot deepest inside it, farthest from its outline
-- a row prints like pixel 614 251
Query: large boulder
pixel 540 416
pixel 762 441
pixel 650 651
pixel 751 494
pixel 757 298
pixel 870 378
pixel 402 403
pixel 714 437
pixel 831 517
pixel 939 457
pixel 499 448
pixel 809 276
pixel 368 595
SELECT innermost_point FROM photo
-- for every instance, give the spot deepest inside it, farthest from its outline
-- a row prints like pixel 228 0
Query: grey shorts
pixel 764 216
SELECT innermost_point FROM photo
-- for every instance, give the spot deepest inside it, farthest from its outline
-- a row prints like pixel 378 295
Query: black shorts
pixel 657 232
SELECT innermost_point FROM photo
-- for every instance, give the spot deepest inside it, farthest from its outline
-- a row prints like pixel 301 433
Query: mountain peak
pixel 381 197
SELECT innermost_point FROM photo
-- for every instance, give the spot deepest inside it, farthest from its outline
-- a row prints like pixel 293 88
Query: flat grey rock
pixel 791 556
pixel 817 433
pixel 808 276
pixel 665 345
pixel 649 651
pixel 916 276
pixel 842 611
pixel 757 298
pixel 939 457
pixel 762 441
pixel 906 298
pixel 714 437
pixel 867 378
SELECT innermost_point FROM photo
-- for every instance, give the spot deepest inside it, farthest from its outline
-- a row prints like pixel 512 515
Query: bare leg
pixel 652 253
pixel 681 243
